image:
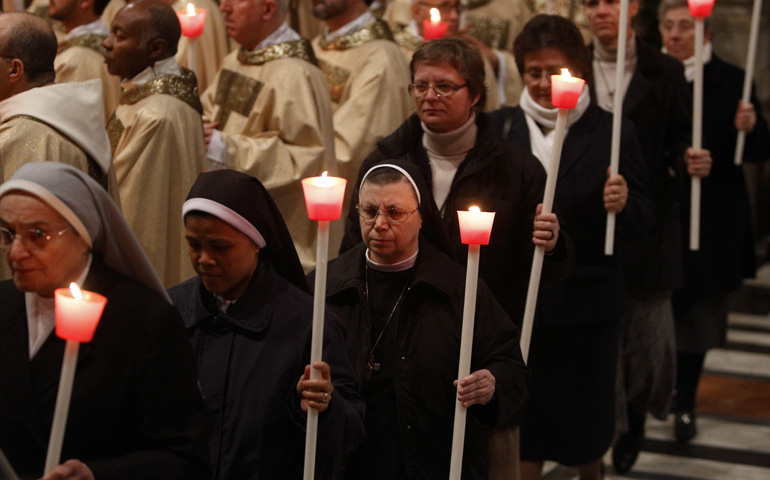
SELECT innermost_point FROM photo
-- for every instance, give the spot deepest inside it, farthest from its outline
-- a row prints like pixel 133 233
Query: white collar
pixel 167 66
pixel 41 316
pixel 352 27
pixel 411 27
pixel 689 63
pixel 97 27
pixel 395 267
pixel 282 34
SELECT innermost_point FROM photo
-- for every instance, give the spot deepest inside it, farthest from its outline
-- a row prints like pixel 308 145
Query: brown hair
pixel 553 31
pixel 463 57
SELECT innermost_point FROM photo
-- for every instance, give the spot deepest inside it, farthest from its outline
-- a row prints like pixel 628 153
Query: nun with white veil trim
pixel 136 408
pixel 400 294
pixel 249 316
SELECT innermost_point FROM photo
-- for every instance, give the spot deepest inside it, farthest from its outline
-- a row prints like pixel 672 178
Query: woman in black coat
pixel 570 417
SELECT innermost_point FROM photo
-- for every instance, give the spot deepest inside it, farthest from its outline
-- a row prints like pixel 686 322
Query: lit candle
pixel 77 315
pixel 192 20
pixel 433 28
pixel 323 199
pixel 751 56
pixel 617 117
pixel 475 229
pixel 698 9
pixel 565 91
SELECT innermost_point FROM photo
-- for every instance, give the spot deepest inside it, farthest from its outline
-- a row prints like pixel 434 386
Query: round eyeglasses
pixel 441 89
pixel 33 239
pixel 392 215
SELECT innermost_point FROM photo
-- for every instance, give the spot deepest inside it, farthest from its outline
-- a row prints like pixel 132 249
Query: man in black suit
pixel 655 96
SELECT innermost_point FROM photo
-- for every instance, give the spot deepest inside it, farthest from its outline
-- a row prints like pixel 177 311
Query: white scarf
pixel 689 63
pixel 536 116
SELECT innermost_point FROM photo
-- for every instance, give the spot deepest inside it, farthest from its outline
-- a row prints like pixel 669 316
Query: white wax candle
pixel 751 57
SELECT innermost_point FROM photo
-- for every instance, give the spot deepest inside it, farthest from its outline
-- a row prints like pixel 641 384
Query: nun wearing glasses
pixel 400 295
pixel 136 410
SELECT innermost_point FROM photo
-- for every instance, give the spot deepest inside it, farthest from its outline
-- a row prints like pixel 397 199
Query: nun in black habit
pixel 400 296
pixel 249 316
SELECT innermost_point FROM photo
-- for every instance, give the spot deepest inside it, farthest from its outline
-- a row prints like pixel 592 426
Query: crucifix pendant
pixel 370 366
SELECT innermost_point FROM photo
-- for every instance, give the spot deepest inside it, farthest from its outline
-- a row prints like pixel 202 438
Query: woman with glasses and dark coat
pixel 400 296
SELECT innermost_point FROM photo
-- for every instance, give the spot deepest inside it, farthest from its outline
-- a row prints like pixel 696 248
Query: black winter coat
pixel 249 362
pixel 497 176
pixel 426 358
pixel 660 105
pixel 136 410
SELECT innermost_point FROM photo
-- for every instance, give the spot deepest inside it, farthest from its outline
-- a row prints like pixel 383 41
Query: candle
pixel 192 20
pixel 475 229
pixel 323 199
pixel 475 226
pixel 565 89
pixel 751 56
pixel 77 315
pixel 617 117
pixel 434 28
pixel 700 8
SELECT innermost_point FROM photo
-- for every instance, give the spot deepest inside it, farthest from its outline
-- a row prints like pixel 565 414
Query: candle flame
pixel 565 74
pixel 474 209
pixel 435 16
pixel 75 291
pixel 190 9
pixel 324 174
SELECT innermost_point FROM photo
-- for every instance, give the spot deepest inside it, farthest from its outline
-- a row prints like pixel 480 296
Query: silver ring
pixel 326 397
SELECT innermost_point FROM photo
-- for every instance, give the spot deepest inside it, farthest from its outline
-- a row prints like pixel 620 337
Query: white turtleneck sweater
pixel 446 151
pixel 604 72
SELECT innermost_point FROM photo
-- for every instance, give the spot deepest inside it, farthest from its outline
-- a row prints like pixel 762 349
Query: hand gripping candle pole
pixel 433 28
pixel 565 91
pixel 751 57
pixel 77 315
pixel 475 229
pixel 699 9
pixel 192 20
pixel 323 199
pixel 617 117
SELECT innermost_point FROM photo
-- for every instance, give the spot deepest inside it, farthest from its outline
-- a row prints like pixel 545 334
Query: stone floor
pixel 733 407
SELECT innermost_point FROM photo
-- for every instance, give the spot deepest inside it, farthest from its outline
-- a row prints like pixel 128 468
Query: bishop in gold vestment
pixel 157 139
pixel 275 123
pixel 368 78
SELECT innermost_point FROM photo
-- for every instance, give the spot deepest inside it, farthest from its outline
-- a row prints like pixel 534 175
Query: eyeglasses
pixel 392 215
pixel 33 239
pixel 446 7
pixel 538 74
pixel 441 89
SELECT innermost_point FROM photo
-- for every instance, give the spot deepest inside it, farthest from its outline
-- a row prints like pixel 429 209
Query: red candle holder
pixel 475 226
pixel 192 20
pixel 565 89
pixel 433 28
pixel 700 8
pixel 324 196
pixel 77 313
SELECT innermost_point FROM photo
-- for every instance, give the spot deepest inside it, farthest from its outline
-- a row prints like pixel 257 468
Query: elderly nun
pixel 401 298
pixel 136 410
pixel 249 316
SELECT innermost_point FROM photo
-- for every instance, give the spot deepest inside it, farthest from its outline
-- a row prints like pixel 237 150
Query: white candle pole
pixel 316 346
pixel 617 117
pixel 537 260
pixel 464 369
pixel 192 62
pixel 463 22
pixel 697 130
pixel 751 57
pixel 549 7
pixel 61 410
